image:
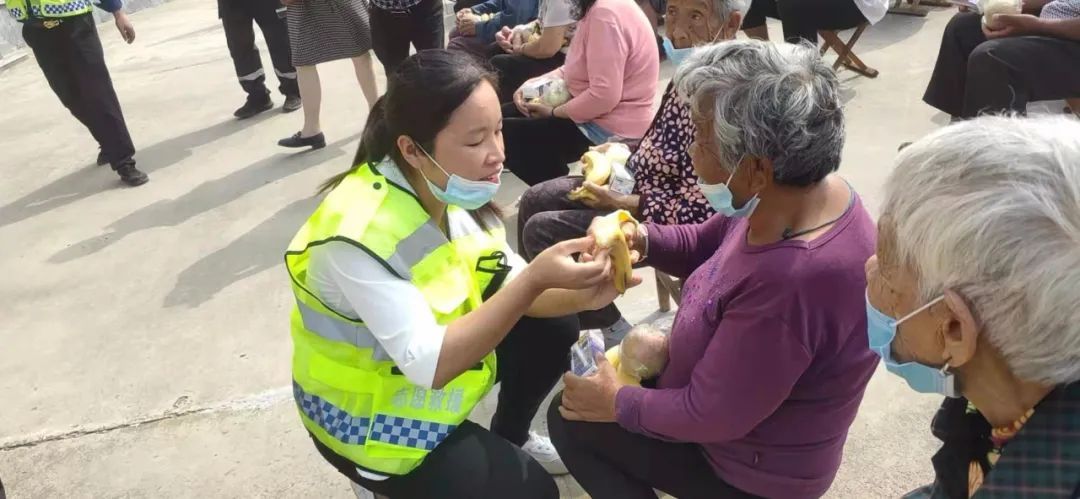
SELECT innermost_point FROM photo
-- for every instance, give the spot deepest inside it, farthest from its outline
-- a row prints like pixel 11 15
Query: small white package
pixel 583 353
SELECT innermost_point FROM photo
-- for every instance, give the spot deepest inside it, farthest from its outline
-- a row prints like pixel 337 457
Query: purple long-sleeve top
pixel 768 355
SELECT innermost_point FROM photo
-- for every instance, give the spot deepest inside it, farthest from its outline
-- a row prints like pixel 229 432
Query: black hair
pixel 421 95
pixel 581 7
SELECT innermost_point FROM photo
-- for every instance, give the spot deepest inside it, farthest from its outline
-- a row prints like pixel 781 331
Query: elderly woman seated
pixel 973 294
pixel 665 185
pixel 1013 60
pixel 767 355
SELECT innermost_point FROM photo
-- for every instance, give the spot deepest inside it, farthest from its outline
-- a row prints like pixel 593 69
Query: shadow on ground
pixel 205 197
pixel 88 181
pixel 261 248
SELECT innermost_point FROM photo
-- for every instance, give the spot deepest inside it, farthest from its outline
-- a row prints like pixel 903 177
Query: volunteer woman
pixel 411 305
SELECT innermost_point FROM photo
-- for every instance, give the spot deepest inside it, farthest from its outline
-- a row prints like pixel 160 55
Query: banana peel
pixel 597 169
pixel 608 232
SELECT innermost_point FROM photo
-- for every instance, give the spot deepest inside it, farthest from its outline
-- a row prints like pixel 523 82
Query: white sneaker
pixel 361 492
pixel 541 449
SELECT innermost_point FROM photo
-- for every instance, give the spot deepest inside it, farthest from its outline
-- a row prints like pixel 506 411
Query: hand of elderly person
pixel 1014 25
pixel 466 24
pixel 635 239
pixel 519 102
pixel 503 39
pixel 603 198
pixel 591 398
pixel 540 110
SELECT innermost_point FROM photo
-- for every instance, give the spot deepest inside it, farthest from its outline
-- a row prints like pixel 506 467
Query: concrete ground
pixel 143 346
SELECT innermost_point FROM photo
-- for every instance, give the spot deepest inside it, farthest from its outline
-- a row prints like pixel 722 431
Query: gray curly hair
pixel 775 101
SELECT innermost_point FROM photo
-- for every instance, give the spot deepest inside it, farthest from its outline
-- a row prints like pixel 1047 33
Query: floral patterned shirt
pixel 663 174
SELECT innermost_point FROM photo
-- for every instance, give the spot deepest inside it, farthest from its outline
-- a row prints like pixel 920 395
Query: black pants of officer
pixel 237 17
pixel 393 31
pixel 73 61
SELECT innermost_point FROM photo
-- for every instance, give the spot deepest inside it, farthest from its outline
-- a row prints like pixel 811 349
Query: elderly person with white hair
pixel 974 294
pixel 767 360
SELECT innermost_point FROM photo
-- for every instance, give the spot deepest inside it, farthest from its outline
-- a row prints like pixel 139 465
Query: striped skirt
pixel 328 30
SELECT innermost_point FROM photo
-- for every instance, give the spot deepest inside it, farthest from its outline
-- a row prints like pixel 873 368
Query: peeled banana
pixel 608 232
pixel 596 167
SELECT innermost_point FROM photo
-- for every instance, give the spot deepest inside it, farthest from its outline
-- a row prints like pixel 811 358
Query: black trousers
pixel 974 75
pixel 393 31
pixel 515 70
pixel 538 149
pixel 802 19
pixel 237 17
pixel 73 61
pixel 476 463
pixel 612 463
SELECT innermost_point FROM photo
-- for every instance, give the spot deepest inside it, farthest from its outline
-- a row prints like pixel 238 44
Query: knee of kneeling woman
pixel 529 202
pixel 536 235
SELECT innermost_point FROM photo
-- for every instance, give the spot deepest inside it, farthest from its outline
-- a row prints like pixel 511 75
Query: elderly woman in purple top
pixel 768 355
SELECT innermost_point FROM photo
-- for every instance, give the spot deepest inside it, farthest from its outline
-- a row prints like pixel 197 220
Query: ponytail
pixel 375 144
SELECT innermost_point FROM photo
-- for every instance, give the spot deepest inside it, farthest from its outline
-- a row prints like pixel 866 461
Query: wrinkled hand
pixel 591 398
pixel 555 267
pixel 467 24
pixel 503 39
pixel 633 236
pixel 124 26
pixel 519 102
pixel 603 197
pixel 539 110
pixel 1013 25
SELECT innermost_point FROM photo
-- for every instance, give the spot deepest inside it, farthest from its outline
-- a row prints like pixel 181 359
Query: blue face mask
pixel 461 192
pixel 720 198
pixel 881 330
pixel 677 56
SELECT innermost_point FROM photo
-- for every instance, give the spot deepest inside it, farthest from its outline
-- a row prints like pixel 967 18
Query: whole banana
pixel 608 232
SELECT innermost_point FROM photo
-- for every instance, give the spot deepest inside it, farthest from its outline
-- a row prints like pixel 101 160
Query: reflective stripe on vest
pixel 333 329
pixel 350 395
pixel 415 433
pixel 47 8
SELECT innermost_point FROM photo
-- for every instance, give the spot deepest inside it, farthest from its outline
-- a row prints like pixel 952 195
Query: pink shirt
pixel 612 69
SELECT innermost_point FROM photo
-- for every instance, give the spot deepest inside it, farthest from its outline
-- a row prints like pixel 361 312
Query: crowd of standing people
pixel 411 303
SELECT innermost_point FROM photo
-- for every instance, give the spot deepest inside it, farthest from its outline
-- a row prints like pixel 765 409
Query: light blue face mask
pixel 720 198
pixel 677 56
pixel 461 192
pixel 881 330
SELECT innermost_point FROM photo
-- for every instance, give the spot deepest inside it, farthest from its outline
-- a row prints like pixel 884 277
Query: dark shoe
pixel 292 103
pixel 131 175
pixel 253 107
pixel 101 160
pixel 315 141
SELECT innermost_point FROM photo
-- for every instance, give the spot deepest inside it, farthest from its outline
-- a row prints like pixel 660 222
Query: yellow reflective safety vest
pixel 21 9
pixel 350 395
